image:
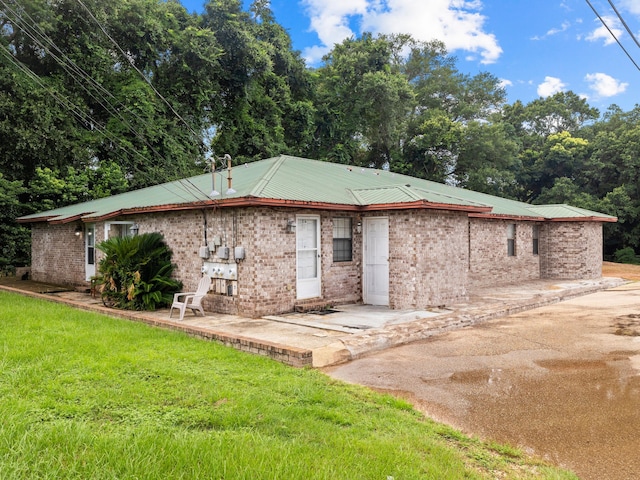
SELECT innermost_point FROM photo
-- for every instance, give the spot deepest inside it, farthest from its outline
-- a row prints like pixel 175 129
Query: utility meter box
pixel 226 271
pixel 223 253
pixel 238 253
pixel 203 252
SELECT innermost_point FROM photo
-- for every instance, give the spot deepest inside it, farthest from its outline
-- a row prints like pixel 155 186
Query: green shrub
pixel 135 273
pixel 626 255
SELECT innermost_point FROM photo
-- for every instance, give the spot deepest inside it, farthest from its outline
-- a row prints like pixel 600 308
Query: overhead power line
pixel 614 36
pixel 131 62
pixel 631 34
pixel 84 118
pixel 32 30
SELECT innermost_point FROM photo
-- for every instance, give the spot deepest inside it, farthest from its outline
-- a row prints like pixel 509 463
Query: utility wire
pixel 68 64
pixel 83 117
pixel 631 34
pixel 131 62
pixel 613 35
pixel 33 29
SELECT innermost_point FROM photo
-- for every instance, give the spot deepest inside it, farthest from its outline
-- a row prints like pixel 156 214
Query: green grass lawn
pixel 85 396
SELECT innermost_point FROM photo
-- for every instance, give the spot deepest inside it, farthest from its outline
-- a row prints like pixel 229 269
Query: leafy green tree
pixel 98 97
pixel 627 255
pixel 42 133
pixel 439 85
pixel 431 151
pixel 616 152
pixel 612 174
pixel 453 133
pixel 488 159
pixel 563 190
pixel 561 155
pixel 14 238
pixel 363 99
pixel 548 132
pixel 619 203
pixel 124 82
pixel 622 203
pixel 263 107
pixel 563 111
pixel 50 188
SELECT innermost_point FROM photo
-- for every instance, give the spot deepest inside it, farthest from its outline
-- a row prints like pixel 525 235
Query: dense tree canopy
pixel 100 97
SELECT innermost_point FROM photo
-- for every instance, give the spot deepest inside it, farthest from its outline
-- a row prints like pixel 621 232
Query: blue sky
pixel 536 47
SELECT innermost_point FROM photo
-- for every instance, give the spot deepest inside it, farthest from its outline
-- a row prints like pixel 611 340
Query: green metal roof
pixel 293 180
pixel 567 211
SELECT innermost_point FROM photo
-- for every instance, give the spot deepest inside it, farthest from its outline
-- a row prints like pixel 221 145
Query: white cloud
pixel 631 5
pixel 601 33
pixel 550 86
pixel 504 83
pixel 330 20
pixel 563 28
pixel 458 23
pixel 554 31
pixel 604 85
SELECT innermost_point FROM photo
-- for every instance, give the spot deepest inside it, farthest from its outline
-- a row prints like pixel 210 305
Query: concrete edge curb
pixel 293 356
pixel 360 345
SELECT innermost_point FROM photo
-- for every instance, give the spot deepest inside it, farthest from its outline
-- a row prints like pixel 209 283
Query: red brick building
pixel 287 231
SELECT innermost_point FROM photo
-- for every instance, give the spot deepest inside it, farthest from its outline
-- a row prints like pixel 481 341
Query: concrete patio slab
pixel 352 331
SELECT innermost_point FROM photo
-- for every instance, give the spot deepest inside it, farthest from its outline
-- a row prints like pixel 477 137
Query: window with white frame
pixel 342 240
pixel 118 229
pixel 511 239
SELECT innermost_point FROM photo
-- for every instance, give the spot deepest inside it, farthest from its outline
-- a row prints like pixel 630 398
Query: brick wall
pixel 428 258
pixel 57 254
pixel 267 279
pixel 267 275
pixel 341 281
pixel 571 250
pixel 490 263
pixel 431 260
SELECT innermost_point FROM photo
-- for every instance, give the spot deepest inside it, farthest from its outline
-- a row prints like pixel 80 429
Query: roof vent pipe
pixel 230 189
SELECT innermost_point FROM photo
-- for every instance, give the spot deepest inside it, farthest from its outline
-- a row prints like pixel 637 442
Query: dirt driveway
pixel 562 382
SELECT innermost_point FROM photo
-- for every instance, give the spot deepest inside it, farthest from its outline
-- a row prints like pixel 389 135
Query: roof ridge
pixel 264 181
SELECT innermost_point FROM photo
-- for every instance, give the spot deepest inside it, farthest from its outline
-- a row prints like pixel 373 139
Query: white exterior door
pixel 308 256
pixel 90 250
pixel 376 261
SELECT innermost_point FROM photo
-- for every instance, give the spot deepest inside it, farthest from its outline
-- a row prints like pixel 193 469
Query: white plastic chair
pixel 192 300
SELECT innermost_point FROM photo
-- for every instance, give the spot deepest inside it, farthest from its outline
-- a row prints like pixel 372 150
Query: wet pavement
pixel 561 381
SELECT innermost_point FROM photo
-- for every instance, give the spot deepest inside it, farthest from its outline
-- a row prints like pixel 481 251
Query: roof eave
pixel 88 217
pixel 496 216
pixel 73 218
pixel 584 219
pixel 426 205
pixel 36 219
pixel 499 216
pixel 277 202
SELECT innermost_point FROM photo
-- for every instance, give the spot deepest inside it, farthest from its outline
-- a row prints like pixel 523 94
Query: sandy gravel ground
pixel 561 382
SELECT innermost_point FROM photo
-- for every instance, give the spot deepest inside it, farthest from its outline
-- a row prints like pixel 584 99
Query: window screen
pixel 536 237
pixel 342 241
pixel 511 239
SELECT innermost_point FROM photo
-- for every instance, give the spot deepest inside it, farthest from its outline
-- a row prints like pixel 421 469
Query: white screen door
pixel 376 261
pixel 90 250
pixel 308 256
